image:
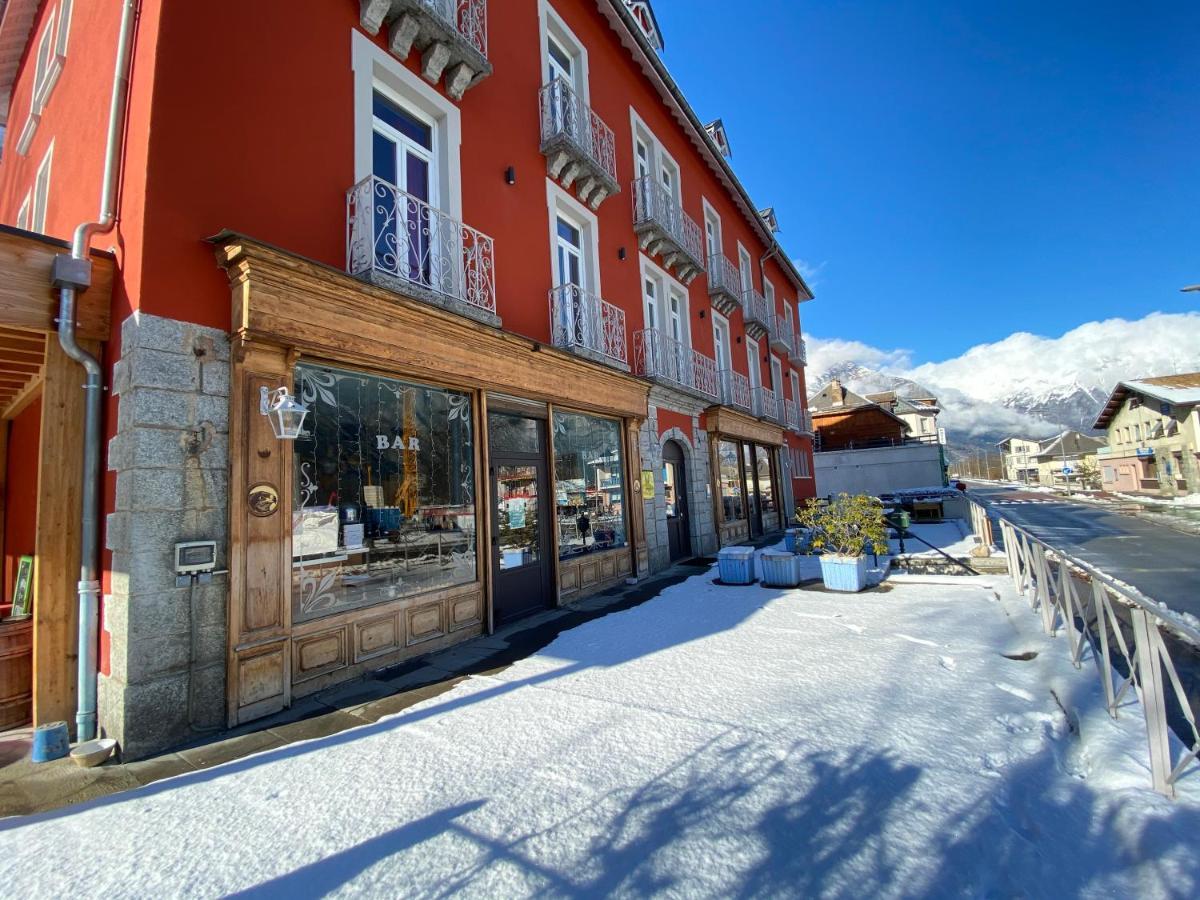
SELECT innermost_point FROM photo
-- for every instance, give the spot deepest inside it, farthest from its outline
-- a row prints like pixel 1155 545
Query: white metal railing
pixel 806 422
pixel 1128 635
pixel 565 116
pixel 723 276
pixel 656 355
pixel 467 17
pixel 781 333
pixel 799 349
pixel 581 319
pixel 391 232
pixel 654 205
pixel 765 404
pixel 754 308
pixel 791 415
pixel 735 390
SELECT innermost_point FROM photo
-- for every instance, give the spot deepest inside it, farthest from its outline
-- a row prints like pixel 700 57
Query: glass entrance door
pixel 521 548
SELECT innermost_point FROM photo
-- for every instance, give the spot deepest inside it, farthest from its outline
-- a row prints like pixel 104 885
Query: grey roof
pixel 1070 443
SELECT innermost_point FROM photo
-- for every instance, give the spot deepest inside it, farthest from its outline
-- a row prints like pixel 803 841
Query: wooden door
pixel 675 493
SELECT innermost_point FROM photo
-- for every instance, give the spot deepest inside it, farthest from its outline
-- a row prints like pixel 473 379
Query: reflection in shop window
pixel 731 483
pixel 589 484
pixel 384 492
pixel 765 492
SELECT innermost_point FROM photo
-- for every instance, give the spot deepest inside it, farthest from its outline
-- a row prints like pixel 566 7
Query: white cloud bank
pixel 973 387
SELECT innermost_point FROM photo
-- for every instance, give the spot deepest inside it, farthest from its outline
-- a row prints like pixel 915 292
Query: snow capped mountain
pixel 1024 384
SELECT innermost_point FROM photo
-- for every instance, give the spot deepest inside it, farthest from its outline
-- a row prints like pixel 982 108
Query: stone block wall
pixel 170 453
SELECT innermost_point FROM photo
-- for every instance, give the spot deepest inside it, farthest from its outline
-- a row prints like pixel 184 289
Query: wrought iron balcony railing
pixel 781 333
pixel 662 358
pixel 735 390
pixel 580 148
pixel 724 284
pixel 806 422
pixel 399 241
pixel 589 325
pixel 799 350
pixel 451 34
pixel 754 313
pixel 765 404
pixel 791 414
pixel 665 229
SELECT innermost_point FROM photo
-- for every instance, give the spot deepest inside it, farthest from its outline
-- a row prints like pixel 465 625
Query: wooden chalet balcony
pixel 665 230
pixel 765 404
pixel 780 330
pixel 799 350
pixel 400 242
pixel 452 36
pixel 724 284
pixel 754 314
pixel 580 149
pixel 666 361
pixel 588 326
pixel 735 390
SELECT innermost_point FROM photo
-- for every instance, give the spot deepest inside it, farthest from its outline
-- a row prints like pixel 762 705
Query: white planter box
pixel 781 569
pixel 844 573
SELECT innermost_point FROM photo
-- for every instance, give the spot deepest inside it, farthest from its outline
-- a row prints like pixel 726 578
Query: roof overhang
pixel 652 66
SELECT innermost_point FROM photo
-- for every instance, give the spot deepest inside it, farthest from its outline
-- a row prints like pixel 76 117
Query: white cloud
pixel 810 272
pixel 825 354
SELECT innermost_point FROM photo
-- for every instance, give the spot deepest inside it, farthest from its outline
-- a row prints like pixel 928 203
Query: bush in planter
pixel 845 530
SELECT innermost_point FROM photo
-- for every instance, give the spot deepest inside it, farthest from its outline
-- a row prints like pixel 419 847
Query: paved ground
pixel 1161 562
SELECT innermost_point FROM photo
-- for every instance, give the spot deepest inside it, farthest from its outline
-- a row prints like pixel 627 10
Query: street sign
pixel 1067 470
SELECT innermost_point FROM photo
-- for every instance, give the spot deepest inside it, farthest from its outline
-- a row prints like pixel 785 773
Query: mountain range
pixel 1024 385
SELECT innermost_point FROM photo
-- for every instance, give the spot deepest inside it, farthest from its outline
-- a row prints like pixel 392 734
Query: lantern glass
pixel 285 412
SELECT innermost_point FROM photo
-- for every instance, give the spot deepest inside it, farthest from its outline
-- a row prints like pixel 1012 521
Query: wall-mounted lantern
pixel 285 412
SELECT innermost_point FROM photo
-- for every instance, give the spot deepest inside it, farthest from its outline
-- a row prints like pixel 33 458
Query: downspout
pixel 72 274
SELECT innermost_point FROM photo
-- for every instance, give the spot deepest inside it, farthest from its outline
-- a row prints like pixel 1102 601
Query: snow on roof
pixel 1179 390
pixel 1070 443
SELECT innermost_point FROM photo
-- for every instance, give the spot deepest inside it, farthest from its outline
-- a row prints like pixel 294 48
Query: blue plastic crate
pixel 736 565
pixel 844 574
pixel 797 539
pixel 780 569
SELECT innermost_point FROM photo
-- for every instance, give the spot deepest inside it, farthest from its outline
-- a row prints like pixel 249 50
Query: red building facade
pixel 545 339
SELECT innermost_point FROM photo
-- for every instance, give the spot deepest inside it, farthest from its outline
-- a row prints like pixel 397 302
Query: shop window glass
pixel 766 492
pixel 383 494
pixel 731 484
pixel 589 484
pixel 513 434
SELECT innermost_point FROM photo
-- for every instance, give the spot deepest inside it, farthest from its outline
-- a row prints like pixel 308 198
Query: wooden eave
pixel 727 421
pixel 27 300
pixel 319 311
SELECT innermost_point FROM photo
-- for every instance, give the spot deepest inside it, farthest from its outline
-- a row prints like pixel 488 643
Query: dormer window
pixel 644 16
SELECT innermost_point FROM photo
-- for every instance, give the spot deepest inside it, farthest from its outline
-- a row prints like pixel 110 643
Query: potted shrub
pixel 845 530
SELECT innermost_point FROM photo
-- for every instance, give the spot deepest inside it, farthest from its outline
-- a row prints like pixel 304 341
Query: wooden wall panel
pixel 318 654
pixel 464 611
pixel 377 636
pixel 425 622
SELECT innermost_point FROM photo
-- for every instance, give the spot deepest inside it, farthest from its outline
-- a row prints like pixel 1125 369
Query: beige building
pixel 1153 427
pixel 919 413
pixel 1067 460
pixel 1020 459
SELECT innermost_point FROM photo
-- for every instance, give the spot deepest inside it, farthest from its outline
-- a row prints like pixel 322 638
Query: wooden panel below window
pixel 262 679
pixel 425 623
pixel 734 532
pixel 377 636
pixel 318 653
pixel 583 575
pixel 465 611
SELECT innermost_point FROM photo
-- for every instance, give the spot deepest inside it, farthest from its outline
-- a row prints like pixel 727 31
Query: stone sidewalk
pixel 26 787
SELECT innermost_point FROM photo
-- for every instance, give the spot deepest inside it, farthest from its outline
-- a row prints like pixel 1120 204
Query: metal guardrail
pixel 723 276
pixel 656 355
pixel 566 117
pixel 581 319
pixel 799 350
pixel 754 308
pixel 735 390
pixel 654 206
pixel 781 333
pixel 399 235
pixel 1087 605
pixel 765 404
pixel 467 17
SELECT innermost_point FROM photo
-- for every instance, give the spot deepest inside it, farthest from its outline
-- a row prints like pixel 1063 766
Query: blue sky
pixel 956 171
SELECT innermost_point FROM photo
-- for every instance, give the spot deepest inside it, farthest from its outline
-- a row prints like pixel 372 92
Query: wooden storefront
pixel 288 311
pixel 42 468
pixel 730 425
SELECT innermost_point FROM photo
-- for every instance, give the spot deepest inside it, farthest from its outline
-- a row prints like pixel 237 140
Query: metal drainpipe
pixel 72 274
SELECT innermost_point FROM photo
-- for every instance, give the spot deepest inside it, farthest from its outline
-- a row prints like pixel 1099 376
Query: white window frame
pixel 722 341
pixel 712 218
pixel 23 212
pixel 769 294
pixel 665 285
pixel 795 380
pixel 431 155
pixel 745 268
pixel 560 203
pixel 790 321
pixel 43 62
pixel 754 362
pixel 377 70
pixel 658 157
pixel 551 25
pixel 777 376
pixel 41 192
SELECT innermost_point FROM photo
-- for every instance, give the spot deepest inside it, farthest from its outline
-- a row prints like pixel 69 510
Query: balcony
pixel 665 230
pixel 668 362
pixel 579 147
pixel 588 326
pixel 765 404
pixel 724 284
pixel 755 315
pixel 799 350
pixel 451 35
pixel 806 423
pixel 400 242
pixel 780 330
pixel 791 415
pixel 735 390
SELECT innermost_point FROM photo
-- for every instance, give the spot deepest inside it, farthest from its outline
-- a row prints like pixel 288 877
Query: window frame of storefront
pixel 730 531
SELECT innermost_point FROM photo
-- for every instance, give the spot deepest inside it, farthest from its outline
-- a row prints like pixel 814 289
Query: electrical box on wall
pixel 195 557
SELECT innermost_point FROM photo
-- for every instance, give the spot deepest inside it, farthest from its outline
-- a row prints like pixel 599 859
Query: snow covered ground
pixel 714 741
pixel 952 536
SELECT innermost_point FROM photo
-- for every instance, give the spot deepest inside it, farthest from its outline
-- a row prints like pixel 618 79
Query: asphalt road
pixel 1162 563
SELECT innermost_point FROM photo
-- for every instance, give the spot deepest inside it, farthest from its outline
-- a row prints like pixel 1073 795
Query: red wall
pixel 20 497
